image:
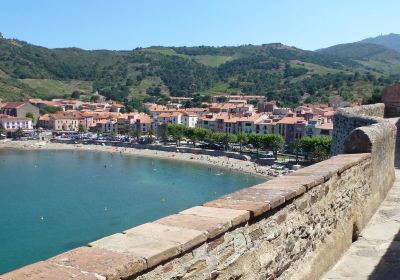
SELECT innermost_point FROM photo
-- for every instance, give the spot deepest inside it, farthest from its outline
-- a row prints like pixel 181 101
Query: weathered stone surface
pixel 235 217
pixel 212 226
pixel 154 251
pixel 258 195
pixel 47 270
pixel 347 119
pixel 288 192
pixel 187 238
pixel 255 208
pixel 108 264
pixel 297 179
pixel 376 252
pixel 298 240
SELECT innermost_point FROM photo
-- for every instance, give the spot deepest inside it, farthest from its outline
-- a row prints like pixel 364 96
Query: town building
pixel 20 109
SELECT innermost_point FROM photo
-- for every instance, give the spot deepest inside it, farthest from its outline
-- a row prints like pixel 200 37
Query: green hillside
pixel 287 74
pixel 391 41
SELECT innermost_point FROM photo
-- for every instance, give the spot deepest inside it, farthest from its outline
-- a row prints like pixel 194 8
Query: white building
pixel 11 124
pixel 189 120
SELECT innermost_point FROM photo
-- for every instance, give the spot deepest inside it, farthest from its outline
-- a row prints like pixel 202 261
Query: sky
pixel 127 24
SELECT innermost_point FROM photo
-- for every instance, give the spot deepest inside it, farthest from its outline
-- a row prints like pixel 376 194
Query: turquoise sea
pixel 53 201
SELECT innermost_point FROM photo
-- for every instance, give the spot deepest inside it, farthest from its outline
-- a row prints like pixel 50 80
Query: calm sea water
pixel 53 201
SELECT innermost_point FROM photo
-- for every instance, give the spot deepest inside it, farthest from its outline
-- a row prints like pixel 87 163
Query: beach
pixel 214 161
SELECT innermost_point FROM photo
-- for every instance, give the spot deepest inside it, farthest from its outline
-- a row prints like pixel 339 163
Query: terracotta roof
pixel 12 105
pixel 10 118
pixel 328 125
pixel 291 120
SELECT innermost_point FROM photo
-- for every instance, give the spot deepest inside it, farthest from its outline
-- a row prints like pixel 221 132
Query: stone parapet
pixel 347 119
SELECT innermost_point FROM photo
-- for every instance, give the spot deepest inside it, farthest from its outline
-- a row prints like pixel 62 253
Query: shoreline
pixel 230 164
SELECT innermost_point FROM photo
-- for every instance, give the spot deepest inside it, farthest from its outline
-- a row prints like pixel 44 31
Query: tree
pixel 98 130
pixel 2 129
pixel 217 137
pixel 94 98
pixel 317 148
pixel 76 94
pixel 295 147
pixel 190 133
pixel 124 129
pixel 229 138
pixel 31 116
pixel 19 133
pixel 242 139
pixel 81 129
pixel 137 134
pixel 177 132
pixel 48 109
pixel 151 134
pixel 256 140
pixel 202 133
pixel 274 142
pixel 113 135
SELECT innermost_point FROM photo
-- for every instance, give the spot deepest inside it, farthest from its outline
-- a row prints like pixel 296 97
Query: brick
pixel 47 270
pixel 255 208
pixel 212 226
pixel 235 217
pixel 152 250
pixel 260 195
pixel 108 264
pixel 187 238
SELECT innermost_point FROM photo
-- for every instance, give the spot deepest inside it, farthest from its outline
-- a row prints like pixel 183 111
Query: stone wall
pixel 391 99
pixel 347 119
pixel 291 227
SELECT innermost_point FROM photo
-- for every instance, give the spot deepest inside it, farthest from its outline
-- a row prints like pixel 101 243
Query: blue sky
pixel 127 24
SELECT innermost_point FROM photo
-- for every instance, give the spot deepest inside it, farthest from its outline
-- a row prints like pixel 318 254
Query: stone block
pixel 187 238
pixel 211 226
pixel 154 251
pixel 307 179
pixel 235 217
pixel 108 264
pixel 258 195
pixel 49 271
pixel 288 192
pixel 255 208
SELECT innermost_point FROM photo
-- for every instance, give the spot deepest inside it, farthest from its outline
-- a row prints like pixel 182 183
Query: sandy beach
pixel 220 162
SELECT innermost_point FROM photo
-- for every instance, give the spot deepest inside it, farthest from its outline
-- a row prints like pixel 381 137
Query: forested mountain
pixel 391 41
pixel 287 74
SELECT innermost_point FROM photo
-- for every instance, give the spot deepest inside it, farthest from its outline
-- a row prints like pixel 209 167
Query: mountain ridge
pixel 287 74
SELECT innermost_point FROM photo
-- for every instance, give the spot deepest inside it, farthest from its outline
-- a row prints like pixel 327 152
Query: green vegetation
pixel 286 74
pixel 48 109
pixel 48 88
pixel 268 142
pixel 315 148
pixel 31 116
